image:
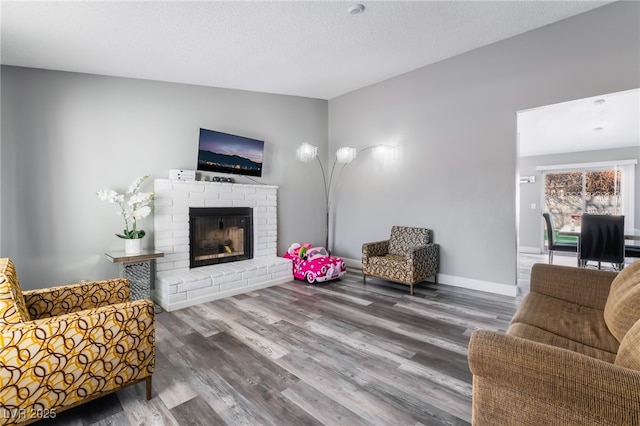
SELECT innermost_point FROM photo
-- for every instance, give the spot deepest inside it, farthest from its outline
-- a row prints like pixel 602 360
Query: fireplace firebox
pixel 220 235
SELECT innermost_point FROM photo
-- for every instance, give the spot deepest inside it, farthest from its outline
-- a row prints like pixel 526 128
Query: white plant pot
pixel 133 246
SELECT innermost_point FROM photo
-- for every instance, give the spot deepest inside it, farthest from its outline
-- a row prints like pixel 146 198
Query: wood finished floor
pixel 338 353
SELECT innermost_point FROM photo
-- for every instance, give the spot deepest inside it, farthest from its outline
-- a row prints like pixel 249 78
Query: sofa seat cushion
pixel 539 335
pixel 563 324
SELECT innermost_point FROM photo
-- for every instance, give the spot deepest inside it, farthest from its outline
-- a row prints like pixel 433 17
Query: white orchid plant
pixel 136 207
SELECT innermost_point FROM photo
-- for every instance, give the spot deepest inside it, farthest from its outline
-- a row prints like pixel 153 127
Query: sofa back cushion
pixel 629 350
pixel 622 309
pixel 13 309
pixel 403 239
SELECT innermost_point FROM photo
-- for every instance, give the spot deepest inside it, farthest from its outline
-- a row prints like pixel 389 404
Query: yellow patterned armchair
pixel 62 346
pixel 408 257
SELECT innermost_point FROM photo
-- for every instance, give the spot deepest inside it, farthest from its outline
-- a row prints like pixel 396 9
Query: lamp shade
pixel 345 154
pixel 306 152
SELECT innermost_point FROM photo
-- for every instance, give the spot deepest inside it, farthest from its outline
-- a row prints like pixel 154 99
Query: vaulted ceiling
pixel 315 49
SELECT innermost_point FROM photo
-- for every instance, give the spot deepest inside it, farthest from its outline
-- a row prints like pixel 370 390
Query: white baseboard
pixel 532 250
pixel 353 263
pixel 452 280
pixel 472 284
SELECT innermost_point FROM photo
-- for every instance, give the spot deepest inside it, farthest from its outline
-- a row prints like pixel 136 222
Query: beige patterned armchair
pixel 62 346
pixel 408 257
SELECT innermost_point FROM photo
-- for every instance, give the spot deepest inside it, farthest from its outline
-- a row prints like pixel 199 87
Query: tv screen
pixel 225 153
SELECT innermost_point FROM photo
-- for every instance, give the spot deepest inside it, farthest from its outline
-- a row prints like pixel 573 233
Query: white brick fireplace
pixel 178 286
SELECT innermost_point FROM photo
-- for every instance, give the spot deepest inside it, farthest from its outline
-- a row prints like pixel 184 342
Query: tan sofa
pixel 571 354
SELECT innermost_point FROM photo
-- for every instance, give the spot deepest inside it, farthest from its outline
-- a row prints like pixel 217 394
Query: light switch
pixel 533 206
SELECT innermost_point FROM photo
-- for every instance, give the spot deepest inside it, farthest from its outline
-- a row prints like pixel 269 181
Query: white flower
pixel 142 212
pixel 138 204
pixel 141 198
pixel 136 184
pixel 110 195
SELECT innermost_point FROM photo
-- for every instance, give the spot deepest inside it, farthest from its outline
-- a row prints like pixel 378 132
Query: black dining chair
pixel 552 244
pixel 602 240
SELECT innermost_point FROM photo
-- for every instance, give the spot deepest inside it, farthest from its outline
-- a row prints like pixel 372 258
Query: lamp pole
pixel 344 156
pixel 326 200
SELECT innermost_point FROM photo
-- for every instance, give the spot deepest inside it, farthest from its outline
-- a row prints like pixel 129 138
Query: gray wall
pixel 455 124
pixel 66 135
pixel 531 222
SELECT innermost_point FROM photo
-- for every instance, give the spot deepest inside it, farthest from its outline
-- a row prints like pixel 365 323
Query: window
pixel 598 188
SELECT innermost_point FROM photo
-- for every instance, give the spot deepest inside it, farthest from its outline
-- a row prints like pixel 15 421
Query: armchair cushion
pixel 403 239
pixel 13 309
pixel 390 261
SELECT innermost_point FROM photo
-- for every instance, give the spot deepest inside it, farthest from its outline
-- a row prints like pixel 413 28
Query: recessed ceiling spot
pixel 598 129
pixel 599 101
pixel 356 9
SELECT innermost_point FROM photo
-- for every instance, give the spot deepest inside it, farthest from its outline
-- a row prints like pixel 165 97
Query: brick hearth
pixel 178 286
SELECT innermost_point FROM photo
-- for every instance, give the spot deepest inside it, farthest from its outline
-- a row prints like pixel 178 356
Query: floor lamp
pixel 344 155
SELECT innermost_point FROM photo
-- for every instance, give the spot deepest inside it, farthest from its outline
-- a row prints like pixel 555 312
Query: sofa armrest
pixel 54 301
pixel 378 248
pixel 553 377
pixel 56 362
pixel 586 287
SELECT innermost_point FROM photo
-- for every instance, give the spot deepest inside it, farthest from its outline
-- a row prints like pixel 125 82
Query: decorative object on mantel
pixel 136 207
pixel 344 155
pixel 222 179
pixel 179 174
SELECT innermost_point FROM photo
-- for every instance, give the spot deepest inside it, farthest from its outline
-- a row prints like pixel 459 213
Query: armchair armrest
pixel 560 380
pixel 55 362
pixel 425 260
pixel 53 301
pixel 425 252
pixel 587 287
pixel 378 248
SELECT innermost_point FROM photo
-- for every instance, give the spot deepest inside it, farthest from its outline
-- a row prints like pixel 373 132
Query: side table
pixel 139 269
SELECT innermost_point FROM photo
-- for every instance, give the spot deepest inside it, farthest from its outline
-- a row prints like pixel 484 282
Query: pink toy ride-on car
pixel 314 263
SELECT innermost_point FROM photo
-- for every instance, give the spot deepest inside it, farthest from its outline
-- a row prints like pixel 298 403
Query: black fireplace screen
pixel 220 234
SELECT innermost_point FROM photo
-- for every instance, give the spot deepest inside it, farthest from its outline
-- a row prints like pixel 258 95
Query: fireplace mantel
pixel 178 286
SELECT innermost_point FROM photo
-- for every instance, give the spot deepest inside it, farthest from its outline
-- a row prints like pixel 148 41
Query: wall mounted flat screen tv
pixel 225 153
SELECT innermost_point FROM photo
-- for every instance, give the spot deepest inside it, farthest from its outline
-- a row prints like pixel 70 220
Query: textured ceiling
pixel 312 49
